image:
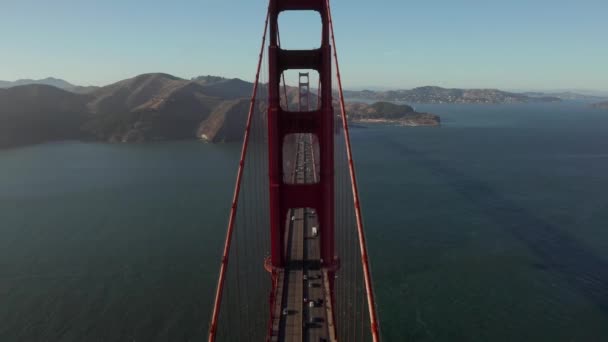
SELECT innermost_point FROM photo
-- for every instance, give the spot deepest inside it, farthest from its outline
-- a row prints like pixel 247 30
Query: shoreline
pixel 398 122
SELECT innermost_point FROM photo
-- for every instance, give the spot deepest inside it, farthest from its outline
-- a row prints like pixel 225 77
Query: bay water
pixel 492 227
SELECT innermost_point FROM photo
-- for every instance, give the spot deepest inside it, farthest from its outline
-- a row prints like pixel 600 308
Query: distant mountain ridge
pixel 436 95
pixel 50 81
pixel 56 82
pixel 235 88
pixel 566 95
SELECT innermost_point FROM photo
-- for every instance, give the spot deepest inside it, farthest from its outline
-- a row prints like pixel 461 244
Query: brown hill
pixel 127 95
pixel 149 107
pixel 226 88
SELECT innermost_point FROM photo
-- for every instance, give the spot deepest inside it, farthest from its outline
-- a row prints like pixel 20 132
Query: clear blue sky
pixel 516 44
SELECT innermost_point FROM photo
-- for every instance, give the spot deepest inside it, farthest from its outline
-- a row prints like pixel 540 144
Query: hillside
pixel 225 88
pixel 226 122
pixel 149 107
pixel 443 95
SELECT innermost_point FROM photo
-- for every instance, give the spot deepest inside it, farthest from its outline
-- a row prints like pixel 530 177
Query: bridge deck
pixel 303 281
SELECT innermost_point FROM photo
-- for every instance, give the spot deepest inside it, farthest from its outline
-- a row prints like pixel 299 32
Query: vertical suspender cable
pixel 283 75
pixel 362 244
pixel 235 199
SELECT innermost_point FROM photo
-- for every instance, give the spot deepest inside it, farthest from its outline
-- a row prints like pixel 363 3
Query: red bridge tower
pixel 319 122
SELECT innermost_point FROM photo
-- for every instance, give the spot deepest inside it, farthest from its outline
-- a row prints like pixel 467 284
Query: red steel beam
pixel 235 198
pixel 300 59
pixel 300 5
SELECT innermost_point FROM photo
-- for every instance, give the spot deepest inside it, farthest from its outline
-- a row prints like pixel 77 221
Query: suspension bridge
pixel 294 264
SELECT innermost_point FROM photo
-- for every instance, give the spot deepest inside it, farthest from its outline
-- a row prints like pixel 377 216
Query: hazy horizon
pixel 591 92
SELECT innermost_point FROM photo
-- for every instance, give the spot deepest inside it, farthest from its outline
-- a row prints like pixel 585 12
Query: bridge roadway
pixel 303 281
